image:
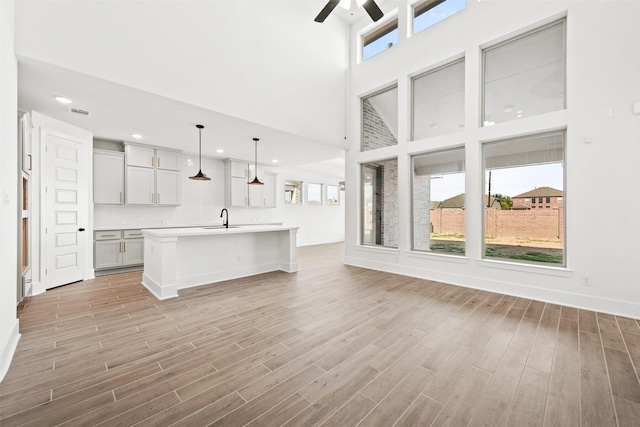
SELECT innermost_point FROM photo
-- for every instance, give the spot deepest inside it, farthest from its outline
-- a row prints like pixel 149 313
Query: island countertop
pixel 204 231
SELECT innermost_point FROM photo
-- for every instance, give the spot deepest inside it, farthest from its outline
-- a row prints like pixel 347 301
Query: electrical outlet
pixel 586 280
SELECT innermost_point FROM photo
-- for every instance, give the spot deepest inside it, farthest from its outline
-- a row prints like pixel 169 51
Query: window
pixel 548 199
pixel 438 101
pixel 293 192
pixel 517 166
pixel 380 39
pixel 314 194
pixel 438 199
pixel 379 216
pixel 539 199
pixel 430 12
pixel 380 119
pixel 559 199
pixel 333 195
pixel 525 76
pixel 526 200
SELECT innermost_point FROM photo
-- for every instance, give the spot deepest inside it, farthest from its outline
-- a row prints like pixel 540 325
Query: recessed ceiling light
pixel 275 160
pixel 136 135
pixel 219 150
pixel 62 99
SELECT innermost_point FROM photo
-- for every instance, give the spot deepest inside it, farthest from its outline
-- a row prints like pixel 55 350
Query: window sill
pixel 378 249
pixel 438 257
pixel 529 268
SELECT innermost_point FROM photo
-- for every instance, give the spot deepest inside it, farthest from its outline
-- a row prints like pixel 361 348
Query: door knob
pixel 80 229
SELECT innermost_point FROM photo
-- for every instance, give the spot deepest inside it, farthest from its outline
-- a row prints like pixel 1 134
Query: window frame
pixel 563 20
pixel 515 138
pixel 377 31
pixel 307 192
pixel 329 201
pixel 421 7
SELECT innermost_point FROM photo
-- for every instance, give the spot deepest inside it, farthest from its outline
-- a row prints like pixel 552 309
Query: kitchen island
pixel 179 258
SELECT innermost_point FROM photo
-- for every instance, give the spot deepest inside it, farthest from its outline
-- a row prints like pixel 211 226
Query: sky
pixel 508 182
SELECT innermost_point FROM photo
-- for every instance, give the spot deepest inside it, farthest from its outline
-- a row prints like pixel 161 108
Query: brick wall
pixel 389 194
pixel 545 224
pixel 375 133
pixel 421 211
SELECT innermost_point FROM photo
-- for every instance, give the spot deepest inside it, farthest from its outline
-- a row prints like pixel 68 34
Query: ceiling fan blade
pixel 373 10
pixel 327 10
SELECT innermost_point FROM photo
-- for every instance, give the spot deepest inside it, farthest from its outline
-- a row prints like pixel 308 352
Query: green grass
pixel 447 247
pixel 529 256
pixel 491 252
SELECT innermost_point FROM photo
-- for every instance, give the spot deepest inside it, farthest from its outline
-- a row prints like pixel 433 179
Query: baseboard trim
pixel 9 350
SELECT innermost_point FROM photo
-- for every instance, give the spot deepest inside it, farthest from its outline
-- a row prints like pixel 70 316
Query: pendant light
pixel 256 181
pixel 200 176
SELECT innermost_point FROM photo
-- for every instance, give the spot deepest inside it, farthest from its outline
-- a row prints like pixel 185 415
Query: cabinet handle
pixel 158 161
pixel 124 246
pixel 30 161
pixel 151 198
pixel 121 197
pixel 158 198
pixel 152 162
pixel 108 235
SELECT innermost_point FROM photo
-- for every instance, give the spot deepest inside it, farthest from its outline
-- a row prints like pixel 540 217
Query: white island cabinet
pixel 179 258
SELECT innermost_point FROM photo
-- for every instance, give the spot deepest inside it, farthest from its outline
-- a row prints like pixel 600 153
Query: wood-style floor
pixel 330 345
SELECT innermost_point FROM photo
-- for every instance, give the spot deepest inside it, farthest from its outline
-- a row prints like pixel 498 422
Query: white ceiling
pixel 242 68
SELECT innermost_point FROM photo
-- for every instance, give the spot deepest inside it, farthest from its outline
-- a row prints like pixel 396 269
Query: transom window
pixel 380 39
pixel 430 12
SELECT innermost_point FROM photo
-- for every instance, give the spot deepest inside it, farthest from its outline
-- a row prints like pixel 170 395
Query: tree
pixel 505 201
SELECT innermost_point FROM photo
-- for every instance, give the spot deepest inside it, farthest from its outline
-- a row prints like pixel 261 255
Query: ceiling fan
pixel 369 5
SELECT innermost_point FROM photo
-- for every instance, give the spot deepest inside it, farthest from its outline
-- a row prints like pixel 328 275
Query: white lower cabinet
pixel 118 248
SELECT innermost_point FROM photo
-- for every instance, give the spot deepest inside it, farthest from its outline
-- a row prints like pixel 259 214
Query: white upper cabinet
pixel 167 187
pixel 168 160
pixel 141 188
pixel 152 175
pixel 142 156
pixel 269 191
pixel 237 191
pixel 108 177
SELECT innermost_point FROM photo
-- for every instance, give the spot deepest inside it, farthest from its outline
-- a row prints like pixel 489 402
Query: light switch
pixel 636 108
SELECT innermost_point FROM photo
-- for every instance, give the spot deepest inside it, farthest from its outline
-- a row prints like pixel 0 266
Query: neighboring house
pixel 458 202
pixel 539 198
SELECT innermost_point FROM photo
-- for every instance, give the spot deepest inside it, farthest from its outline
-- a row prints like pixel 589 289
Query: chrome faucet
pixel 225 221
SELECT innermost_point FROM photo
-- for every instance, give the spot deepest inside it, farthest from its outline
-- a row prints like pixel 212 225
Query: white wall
pixel 602 176
pixel 202 202
pixel 318 223
pixel 9 326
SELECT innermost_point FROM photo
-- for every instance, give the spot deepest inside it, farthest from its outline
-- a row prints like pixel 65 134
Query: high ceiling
pixel 242 68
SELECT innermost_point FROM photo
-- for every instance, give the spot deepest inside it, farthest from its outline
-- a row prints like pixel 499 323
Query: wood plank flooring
pixel 330 345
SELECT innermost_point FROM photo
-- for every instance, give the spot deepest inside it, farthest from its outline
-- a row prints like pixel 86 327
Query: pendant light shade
pixel 256 181
pixel 200 176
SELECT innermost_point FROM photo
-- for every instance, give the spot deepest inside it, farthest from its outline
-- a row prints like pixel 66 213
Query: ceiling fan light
pixel 345 4
pixel 360 2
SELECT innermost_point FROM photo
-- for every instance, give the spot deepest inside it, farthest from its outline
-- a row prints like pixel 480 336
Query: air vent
pixel 79 111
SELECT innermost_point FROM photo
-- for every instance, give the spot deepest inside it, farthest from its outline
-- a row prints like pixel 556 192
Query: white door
pixel 66 210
